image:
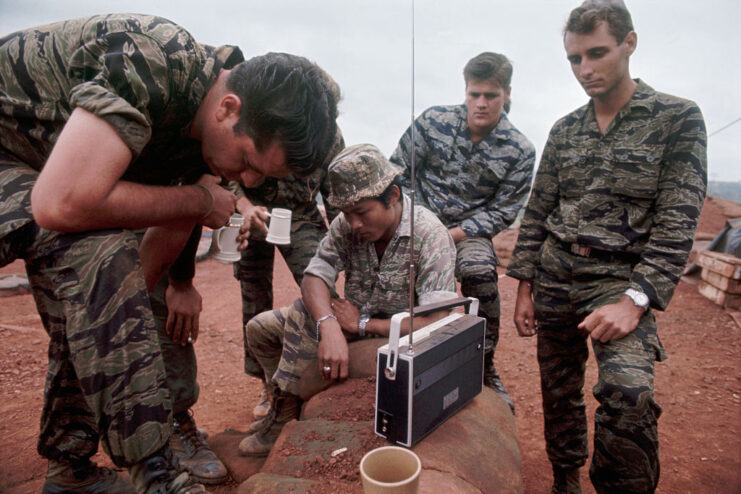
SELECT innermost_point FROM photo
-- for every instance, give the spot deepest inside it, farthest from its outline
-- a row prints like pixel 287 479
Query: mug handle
pixel 217 234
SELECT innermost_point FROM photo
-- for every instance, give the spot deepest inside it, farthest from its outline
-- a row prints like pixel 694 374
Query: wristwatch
pixel 364 318
pixel 640 299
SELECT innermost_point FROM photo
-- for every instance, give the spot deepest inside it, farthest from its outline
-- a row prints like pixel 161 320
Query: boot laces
pixel 189 435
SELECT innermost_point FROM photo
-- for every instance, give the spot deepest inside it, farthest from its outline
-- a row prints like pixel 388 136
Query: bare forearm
pixel 132 205
pixel 382 327
pixel 316 296
pixel 160 247
pixel 80 187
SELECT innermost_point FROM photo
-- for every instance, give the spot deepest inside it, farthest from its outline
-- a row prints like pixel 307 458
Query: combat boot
pixel 493 381
pixel 84 477
pixel 161 474
pixel 257 425
pixel 263 406
pixel 284 408
pixel 566 481
pixel 190 448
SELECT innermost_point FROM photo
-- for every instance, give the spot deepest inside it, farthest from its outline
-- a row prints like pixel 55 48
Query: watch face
pixel 639 298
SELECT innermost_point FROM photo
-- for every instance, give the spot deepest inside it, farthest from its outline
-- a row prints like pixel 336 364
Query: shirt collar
pixel 403 230
pixel 217 59
pixel 500 132
pixel 643 99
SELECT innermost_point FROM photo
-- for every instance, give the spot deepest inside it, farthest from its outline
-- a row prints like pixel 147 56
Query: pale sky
pixel 685 47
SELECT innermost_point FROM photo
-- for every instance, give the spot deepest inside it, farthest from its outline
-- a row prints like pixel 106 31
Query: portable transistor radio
pixel 418 390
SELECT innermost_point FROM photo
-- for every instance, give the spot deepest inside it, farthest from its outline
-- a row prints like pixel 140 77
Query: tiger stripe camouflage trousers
pixel 284 343
pixel 105 379
pixel 255 271
pixel 476 268
pixel 626 447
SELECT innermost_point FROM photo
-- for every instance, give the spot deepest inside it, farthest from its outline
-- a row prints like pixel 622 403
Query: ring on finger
pixel 327 369
pixel 190 339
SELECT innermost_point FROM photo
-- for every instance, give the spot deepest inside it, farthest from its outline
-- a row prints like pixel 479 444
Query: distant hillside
pixel 725 190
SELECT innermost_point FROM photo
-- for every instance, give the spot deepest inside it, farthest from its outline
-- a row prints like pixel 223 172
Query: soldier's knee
pixel 478 272
pixel 252 329
pixel 633 399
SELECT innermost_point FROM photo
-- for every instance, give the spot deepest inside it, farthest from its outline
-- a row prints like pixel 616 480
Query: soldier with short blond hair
pixel 473 170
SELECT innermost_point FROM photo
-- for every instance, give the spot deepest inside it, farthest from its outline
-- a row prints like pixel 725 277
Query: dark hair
pixel 585 18
pixel 385 196
pixel 488 65
pixel 289 98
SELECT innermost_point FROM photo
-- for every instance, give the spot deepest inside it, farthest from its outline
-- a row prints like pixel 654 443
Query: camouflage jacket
pixel 381 289
pixel 143 75
pixel 639 188
pixel 478 186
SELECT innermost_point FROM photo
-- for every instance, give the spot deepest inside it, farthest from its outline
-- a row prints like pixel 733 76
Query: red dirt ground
pixel 698 387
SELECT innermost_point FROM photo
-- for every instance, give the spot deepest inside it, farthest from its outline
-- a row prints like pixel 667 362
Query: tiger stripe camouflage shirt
pixel 142 74
pixel 477 186
pixel 380 288
pixel 639 189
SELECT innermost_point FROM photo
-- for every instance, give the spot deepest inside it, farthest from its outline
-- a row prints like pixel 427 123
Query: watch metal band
pixel 362 322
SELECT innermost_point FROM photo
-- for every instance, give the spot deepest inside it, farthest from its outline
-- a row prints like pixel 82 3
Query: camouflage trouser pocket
pixel 16 219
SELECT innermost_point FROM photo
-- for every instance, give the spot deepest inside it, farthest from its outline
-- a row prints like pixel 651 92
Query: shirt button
pixel 601 144
pixel 623 157
pixel 650 158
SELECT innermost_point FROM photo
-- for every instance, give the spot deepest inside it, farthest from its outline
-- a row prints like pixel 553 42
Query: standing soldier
pixel 473 170
pixel 605 236
pixel 254 270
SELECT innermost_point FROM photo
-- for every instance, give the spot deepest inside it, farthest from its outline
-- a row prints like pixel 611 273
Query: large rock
pixel 475 450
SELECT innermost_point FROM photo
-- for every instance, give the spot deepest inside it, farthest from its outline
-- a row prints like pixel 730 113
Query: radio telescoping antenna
pixel 410 349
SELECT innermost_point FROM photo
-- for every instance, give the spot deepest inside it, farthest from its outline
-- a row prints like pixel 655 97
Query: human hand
pixel 347 314
pixel 254 220
pixel 525 321
pixel 224 202
pixel 184 305
pixel 333 355
pixel 613 321
pixel 457 233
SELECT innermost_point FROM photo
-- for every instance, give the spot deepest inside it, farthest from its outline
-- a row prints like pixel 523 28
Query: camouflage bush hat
pixel 358 172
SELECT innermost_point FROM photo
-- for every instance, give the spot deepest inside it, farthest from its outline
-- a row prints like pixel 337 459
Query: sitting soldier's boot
pixel 566 481
pixel 161 474
pixel 84 477
pixel 257 425
pixel 190 448
pixel 285 407
pixel 492 380
pixel 263 406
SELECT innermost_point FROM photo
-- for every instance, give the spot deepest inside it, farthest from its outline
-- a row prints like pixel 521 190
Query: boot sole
pixel 254 455
pixel 211 481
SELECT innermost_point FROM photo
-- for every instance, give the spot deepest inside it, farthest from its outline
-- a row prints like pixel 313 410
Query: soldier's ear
pixel 229 106
pixel 394 195
pixel 630 42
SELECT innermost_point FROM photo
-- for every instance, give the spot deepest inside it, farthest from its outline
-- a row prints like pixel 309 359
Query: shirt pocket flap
pixel 636 171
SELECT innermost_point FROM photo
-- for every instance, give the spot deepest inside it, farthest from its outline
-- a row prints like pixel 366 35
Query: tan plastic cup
pixel 225 240
pixel 279 230
pixel 390 470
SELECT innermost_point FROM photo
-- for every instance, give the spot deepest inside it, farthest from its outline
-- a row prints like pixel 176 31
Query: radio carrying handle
pixel 471 304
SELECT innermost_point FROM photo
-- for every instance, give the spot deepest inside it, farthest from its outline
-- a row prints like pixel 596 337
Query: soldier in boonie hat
pixel 358 172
